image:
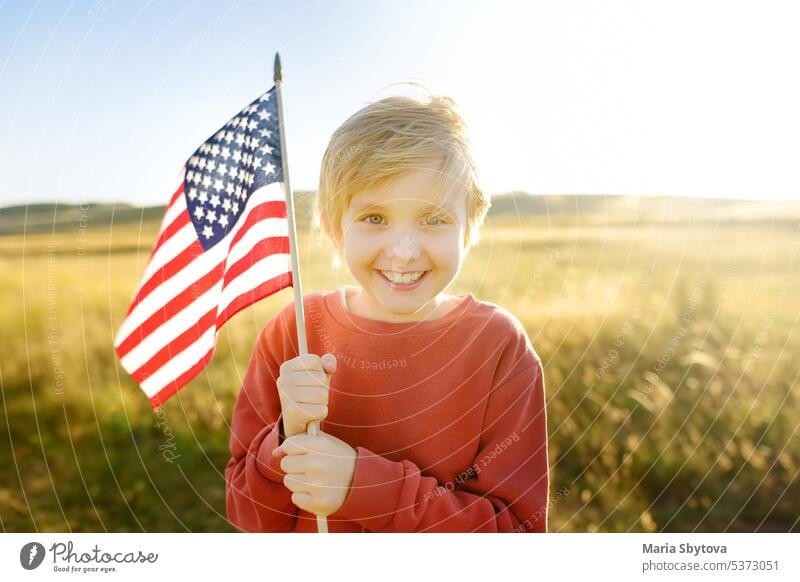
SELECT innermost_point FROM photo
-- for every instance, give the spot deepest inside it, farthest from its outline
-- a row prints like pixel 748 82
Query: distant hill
pixel 581 209
pixel 617 209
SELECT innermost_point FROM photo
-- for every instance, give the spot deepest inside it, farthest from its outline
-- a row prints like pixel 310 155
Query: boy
pixel 432 405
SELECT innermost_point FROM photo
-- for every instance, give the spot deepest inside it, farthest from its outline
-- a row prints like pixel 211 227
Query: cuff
pixel 268 465
pixel 374 494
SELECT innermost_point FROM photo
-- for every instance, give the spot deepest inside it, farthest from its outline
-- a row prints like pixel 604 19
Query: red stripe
pixel 178 192
pixel 248 298
pixel 274 209
pixel 263 248
pixel 175 347
pixel 180 381
pixel 180 221
pixel 172 308
pixel 166 272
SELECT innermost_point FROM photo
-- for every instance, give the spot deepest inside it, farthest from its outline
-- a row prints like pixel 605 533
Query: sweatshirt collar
pixel 351 321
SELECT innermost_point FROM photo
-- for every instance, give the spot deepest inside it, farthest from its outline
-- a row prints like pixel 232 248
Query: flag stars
pixel 222 173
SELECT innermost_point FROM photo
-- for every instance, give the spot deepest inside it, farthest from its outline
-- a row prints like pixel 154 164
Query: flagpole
pixel 313 427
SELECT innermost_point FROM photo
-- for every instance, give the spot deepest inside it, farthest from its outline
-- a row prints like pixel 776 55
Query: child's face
pixel 398 231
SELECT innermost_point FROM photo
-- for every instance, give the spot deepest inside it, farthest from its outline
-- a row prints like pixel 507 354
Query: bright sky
pixel 103 100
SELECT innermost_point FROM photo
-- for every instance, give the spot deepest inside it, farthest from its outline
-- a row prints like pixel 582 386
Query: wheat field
pixel 668 332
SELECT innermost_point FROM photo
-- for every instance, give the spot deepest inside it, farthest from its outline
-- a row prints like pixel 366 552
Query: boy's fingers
pixel 306 362
pixel 294 465
pixel 310 395
pixel 308 412
pixel 301 499
pixel 304 378
pixel 295 445
pixel 296 484
pixel 329 363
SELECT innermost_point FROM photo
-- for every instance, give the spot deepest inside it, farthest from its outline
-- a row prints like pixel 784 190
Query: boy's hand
pixel 303 386
pixel 319 471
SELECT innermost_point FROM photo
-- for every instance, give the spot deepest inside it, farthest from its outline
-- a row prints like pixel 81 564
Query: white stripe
pixel 176 244
pixel 173 211
pixel 171 329
pixel 167 291
pixel 200 266
pixel 264 270
pixel 170 249
pixel 261 230
pixel 179 364
pixel 271 193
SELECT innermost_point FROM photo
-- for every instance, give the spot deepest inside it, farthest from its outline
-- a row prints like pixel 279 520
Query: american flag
pixel 223 245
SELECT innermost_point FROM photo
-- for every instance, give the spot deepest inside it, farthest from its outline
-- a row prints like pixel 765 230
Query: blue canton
pixel 222 174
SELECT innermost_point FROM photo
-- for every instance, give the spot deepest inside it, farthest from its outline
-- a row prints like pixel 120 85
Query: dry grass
pixel 670 361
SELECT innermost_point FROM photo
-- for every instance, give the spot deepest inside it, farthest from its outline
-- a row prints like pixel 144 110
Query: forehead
pixel 419 188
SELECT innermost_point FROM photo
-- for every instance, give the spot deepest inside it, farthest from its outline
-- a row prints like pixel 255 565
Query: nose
pixel 403 250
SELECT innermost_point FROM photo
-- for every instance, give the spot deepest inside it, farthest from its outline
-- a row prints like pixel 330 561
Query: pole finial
pixel 277 77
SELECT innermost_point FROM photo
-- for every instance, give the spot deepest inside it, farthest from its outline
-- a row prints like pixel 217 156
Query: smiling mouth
pixel 408 278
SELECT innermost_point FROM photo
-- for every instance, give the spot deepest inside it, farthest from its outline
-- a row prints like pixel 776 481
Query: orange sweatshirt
pixel 447 418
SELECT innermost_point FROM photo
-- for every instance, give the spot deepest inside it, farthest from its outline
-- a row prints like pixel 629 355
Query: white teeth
pixel 404 279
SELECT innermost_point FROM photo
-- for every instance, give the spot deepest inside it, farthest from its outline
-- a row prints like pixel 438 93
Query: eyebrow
pixel 373 206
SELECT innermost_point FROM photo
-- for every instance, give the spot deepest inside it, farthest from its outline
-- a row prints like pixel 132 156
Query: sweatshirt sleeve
pixel 505 490
pixel 256 498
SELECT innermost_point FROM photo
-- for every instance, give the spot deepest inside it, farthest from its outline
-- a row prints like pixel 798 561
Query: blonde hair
pixel 387 139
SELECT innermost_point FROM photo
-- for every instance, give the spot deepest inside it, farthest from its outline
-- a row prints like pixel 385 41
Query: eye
pixel 433 220
pixel 373 218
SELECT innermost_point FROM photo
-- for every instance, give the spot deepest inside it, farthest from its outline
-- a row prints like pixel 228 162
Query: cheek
pixel 357 248
pixel 447 250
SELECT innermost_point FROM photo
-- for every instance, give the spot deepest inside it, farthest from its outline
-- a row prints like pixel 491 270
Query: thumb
pixel 329 363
